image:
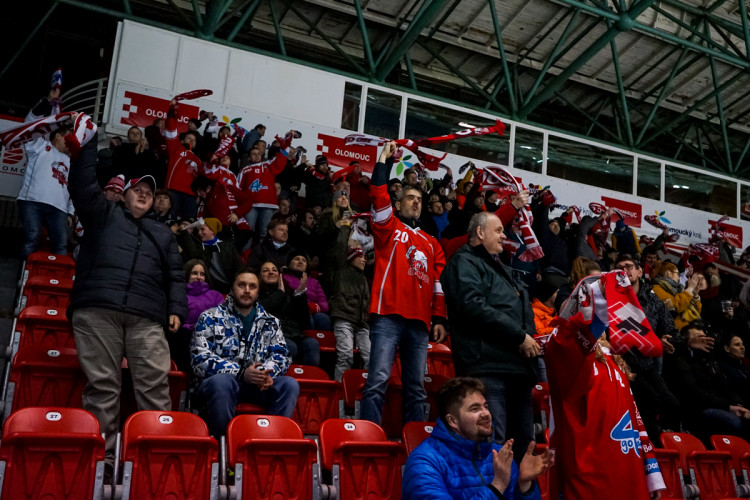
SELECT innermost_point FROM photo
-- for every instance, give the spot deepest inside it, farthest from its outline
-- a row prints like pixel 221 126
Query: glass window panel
pixel 429 120
pixel 383 114
pixel 587 164
pixel 350 111
pixel 528 150
pixel 649 179
pixel 700 191
pixel 745 202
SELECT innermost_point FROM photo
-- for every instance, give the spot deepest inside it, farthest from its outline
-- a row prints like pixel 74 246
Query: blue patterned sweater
pixel 220 343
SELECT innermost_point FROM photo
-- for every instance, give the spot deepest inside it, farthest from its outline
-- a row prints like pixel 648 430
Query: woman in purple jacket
pixel 317 302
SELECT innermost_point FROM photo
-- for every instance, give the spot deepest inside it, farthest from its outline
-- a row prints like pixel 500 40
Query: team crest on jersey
pixel 625 433
pixel 257 186
pixel 60 172
pixel 417 263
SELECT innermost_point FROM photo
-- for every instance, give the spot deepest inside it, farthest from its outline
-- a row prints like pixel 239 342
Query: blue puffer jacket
pixel 446 466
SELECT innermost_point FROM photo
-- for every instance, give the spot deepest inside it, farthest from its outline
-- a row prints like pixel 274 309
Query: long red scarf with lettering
pixel 30 131
pixel 606 302
pixel 500 179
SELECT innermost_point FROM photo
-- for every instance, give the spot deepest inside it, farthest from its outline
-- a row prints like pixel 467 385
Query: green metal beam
pixel 28 38
pixel 736 166
pixel 471 83
pixel 231 15
pixel 277 27
pixel 704 37
pixel 410 69
pixel 190 22
pixel 621 92
pixel 745 27
pixel 722 118
pixel 503 61
pixel 246 16
pixel 617 139
pixel 727 39
pixel 197 13
pixel 215 10
pixel 424 17
pixel 365 37
pixel 552 56
pixel 126 6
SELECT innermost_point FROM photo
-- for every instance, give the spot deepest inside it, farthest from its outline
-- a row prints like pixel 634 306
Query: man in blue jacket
pixel 460 461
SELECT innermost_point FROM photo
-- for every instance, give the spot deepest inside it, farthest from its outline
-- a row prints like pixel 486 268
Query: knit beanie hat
pixel 353 253
pixel 116 183
pixel 545 290
pixel 339 192
pixel 213 224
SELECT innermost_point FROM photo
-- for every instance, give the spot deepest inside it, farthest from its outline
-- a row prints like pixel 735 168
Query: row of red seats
pixel 58 453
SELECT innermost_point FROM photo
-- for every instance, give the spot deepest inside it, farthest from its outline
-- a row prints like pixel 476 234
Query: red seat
pixel 669 464
pixel 44 377
pixel 710 471
pixel 168 455
pixel 363 463
pixel 326 339
pixel 271 458
pixel 432 384
pixel 249 409
pixel 51 453
pixel 43 327
pixel 440 360
pixel 414 433
pixel 542 408
pixel 318 398
pixel 740 451
pixel 49 265
pixel 46 291
pixel 543 480
pixel 354 381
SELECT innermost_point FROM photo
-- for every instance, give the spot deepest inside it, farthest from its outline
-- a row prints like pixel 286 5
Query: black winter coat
pixel 125 264
pixel 489 314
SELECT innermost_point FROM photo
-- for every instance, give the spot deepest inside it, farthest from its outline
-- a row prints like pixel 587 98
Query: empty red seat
pixel 710 469
pixel 51 453
pixel 440 360
pixel 41 326
pixel 740 451
pixel 671 472
pixel 46 291
pixel 326 339
pixel 271 458
pixel 49 265
pixel 44 377
pixel 319 397
pixel 168 455
pixel 414 433
pixel 354 381
pixel 542 408
pixel 363 463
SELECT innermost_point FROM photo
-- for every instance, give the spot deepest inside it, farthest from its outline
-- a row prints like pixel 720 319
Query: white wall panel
pixel 148 56
pixel 202 65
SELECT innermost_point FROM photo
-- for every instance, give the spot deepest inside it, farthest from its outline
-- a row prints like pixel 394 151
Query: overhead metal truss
pixel 664 77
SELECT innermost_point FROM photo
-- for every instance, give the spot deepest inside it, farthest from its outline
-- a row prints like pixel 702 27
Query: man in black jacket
pixel 492 325
pixel 129 286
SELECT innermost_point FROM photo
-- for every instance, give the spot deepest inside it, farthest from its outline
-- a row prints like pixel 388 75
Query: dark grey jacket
pixel 489 315
pixel 125 264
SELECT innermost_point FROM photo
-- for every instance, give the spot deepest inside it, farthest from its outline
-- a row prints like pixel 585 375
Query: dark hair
pixel 693 325
pixel 649 250
pixel 189 265
pixel 195 122
pixel 260 125
pixel 452 393
pixel 406 188
pixel 276 222
pixel 627 256
pixel 201 182
pixel 245 270
pixel 59 131
pixel 163 192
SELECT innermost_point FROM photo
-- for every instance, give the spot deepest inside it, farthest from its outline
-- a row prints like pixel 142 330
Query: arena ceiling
pixel 667 77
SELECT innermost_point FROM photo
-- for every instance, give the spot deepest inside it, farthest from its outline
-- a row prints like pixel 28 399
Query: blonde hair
pixel 581 268
pixel 664 267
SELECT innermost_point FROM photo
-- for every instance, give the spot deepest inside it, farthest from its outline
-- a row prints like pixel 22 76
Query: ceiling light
pixel 685 187
pixel 676 186
pixel 466 125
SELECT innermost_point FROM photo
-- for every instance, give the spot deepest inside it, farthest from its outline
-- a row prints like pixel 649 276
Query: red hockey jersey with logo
pixel 408 263
pixel 183 163
pixel 258 181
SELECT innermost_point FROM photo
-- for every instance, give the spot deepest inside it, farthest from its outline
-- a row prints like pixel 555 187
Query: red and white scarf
pixel 29 131
pixel 503 181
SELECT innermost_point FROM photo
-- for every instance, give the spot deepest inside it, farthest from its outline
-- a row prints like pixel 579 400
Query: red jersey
pixel 183 163
pixel 408 263
pixel 602 449
pixel 258 181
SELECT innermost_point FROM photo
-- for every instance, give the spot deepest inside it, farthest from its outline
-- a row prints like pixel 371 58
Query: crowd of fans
pixel 246 235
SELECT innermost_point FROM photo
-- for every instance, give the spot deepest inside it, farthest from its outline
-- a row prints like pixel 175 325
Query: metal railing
pixel 87 98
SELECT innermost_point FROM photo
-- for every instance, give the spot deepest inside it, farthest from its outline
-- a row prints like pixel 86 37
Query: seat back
pixel 49 265
pixel 168 455
pixel 318 398
pixel 740 451
pixel 368 465
pixel 47 291
pixel 326 339
pixel 353 380
pixel 669 464
pixel 41 326
pixel 710 471
pixel 51 453
pixel 440 360
pixel 432 384
pixel 414 433
pixel 541 403
pixel 271 458
pixel 45 377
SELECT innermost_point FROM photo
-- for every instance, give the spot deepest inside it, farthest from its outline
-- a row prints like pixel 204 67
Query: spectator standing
pixel 318 184
pixel 349 306
pixel 239 356
pixel 129 286
pixel 221 257
pixel 183 165
pixel 407 299
pixel 44 201
pixel 492 329
pixel 459 459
